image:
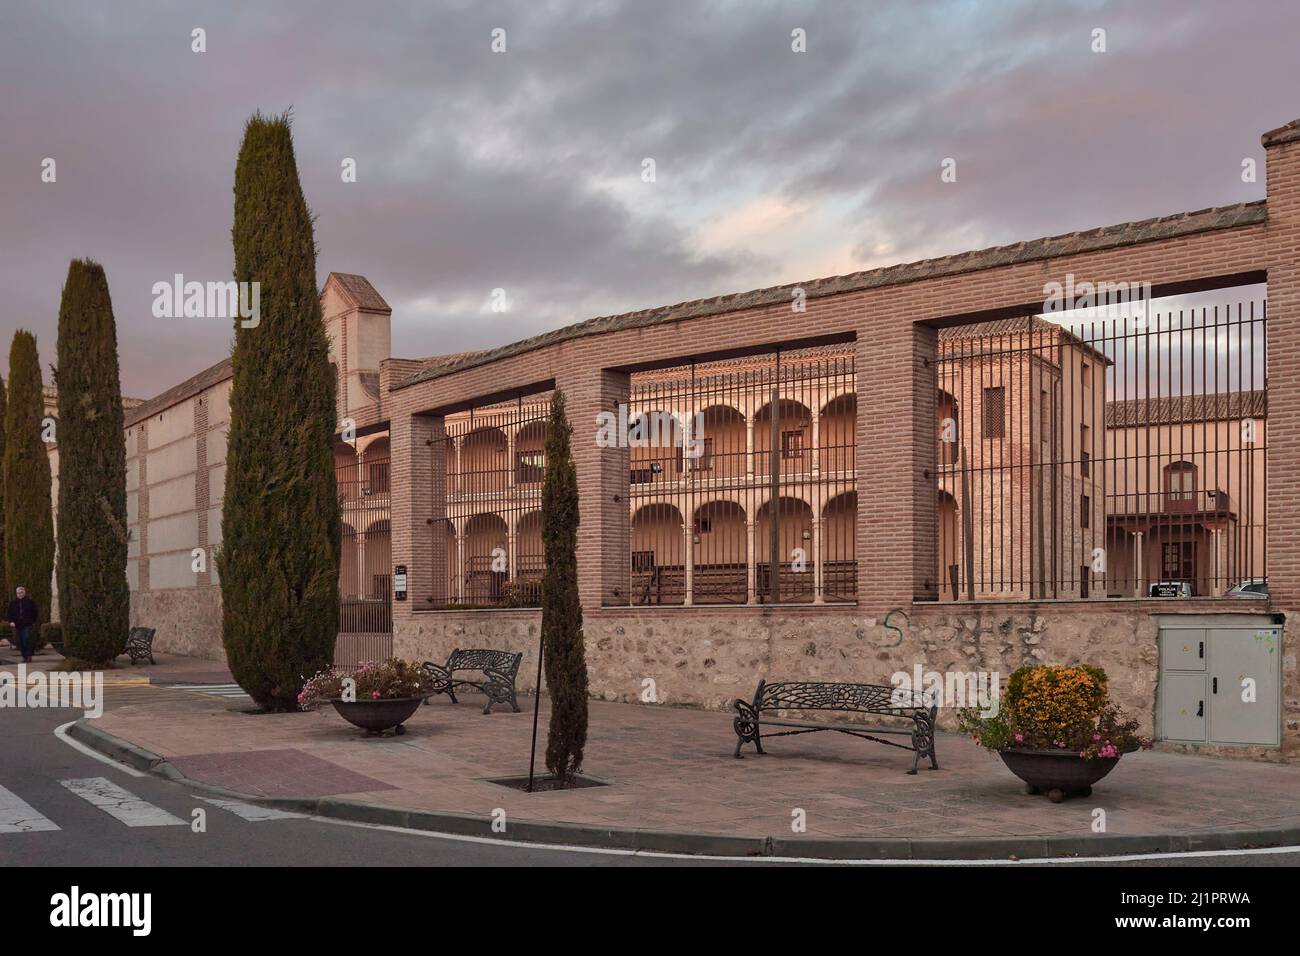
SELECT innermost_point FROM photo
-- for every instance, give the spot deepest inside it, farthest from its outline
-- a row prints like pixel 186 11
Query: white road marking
pixel 120 804
pixel 19 816
pixel 62 733
pixel 609 851
pixel 251 813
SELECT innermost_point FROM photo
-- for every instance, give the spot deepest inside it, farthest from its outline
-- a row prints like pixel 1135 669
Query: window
pixel 1045 417
pixel 792 444
pixel 1085 511
pixel 1084 574
pixel 1085 451
pixel 1180 486
pixel 995 412
pixel 530 467
pixel 378 484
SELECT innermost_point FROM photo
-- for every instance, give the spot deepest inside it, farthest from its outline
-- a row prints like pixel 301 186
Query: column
pixel 818 582
pixel 751 590
pixel 688 540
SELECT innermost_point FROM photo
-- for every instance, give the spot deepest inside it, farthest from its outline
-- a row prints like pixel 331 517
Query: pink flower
pixel 1096 736
pixel 374 694
pixel 1020 738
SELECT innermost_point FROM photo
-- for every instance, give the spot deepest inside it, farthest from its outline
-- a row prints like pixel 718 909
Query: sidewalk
pixel 672 770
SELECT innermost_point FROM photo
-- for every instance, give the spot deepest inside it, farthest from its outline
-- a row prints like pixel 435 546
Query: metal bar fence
pixel 1103 454
pixel 742 481
pixel 365 564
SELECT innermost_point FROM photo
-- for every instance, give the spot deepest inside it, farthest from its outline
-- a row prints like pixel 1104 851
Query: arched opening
pixel 655 447
pixel 375 468
pixel 485 554
pixel 378 560
pixel 839 548
pixel 349 564
pixel 836 438
pixel 658 561
pixel 530 454
pixel 795 571
pixel 720 542
pixel 720 448
pixel 1180 486
pixel 794 437
pixel 484 463
pixel 530 561
pixel 346 472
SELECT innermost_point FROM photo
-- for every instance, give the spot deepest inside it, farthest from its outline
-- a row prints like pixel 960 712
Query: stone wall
pixel 702 658
pixel 187 620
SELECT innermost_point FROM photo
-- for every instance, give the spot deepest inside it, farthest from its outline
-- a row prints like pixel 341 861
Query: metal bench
pixel 139 645
pixel 499 669
pixel 772 700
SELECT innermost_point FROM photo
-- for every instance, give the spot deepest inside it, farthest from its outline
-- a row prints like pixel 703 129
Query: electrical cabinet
pixel 1220 680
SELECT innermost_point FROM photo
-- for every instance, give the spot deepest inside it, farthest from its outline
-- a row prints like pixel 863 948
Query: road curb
pixel 700 844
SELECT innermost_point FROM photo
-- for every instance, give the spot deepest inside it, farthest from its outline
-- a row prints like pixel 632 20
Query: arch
pixel 658 555
pixel 530 453
pixel 349 564
pixel 838 549
pixel 723 443
pixel 375 467
pixel 346 472
pixel 837 434
pixel 483 572
pixel 794 522
pixel 720 547
pixel 794 421
pixel 484 461
pixel 530 558
pixel 378 559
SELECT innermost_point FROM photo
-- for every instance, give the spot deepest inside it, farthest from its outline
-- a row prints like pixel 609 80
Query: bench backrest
pixel 853 698
pixel 139 635
pixel 477 659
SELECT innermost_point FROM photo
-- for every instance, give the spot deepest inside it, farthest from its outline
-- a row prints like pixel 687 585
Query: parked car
pixel 1170 589
pixel 1250 588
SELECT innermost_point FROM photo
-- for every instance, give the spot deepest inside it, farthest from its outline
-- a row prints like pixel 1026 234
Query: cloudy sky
pixel 522 170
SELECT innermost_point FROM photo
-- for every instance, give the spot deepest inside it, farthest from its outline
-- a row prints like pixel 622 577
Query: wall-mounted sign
pixel 399 582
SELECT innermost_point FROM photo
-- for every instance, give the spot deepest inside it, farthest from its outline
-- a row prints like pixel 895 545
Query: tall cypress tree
pixel 562 643
pixel 94 597
pixel 280 523
pixel 29 522
pixel 4 588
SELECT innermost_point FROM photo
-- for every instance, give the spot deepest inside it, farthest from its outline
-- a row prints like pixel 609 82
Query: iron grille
pixel 365 560
pixel 742 481
pixel 1098 455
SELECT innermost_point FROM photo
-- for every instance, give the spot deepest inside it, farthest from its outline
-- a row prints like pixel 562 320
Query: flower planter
pixel 376 716
pixel 1058 773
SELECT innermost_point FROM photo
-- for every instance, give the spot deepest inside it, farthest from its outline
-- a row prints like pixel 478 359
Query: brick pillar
pixel 1282 148
pixel 411 439
pixel 895 464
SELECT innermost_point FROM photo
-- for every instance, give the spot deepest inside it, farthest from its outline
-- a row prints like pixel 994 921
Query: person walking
pixel 23 616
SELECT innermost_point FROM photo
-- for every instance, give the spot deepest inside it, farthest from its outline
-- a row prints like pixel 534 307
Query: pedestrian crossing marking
pixel 102 793
pixel 251 812
pixel 19 816
pixel 212 690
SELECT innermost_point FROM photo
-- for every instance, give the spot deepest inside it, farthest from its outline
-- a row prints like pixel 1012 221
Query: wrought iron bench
pixel 139 645
pixel 499 669
pixel 876 699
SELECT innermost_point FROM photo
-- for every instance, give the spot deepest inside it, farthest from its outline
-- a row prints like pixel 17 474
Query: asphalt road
pixel 62 807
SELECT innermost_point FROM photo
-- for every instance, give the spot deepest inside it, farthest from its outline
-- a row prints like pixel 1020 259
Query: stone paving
pixel 672 769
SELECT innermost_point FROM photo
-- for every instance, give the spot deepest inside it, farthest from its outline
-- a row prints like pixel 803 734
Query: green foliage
pixel 4 590
pixel 28 519
pixel 52 634
pixel 94 597
pixel 564 654
pixel 281 525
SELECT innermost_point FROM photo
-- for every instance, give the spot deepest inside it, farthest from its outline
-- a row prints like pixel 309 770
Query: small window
pixel 995 412
pixel 1045 417
pixel 1085 454
pixel 1084 574
pixel 530 467
pixel 1085 511
pixel 703 525
pixel 792 444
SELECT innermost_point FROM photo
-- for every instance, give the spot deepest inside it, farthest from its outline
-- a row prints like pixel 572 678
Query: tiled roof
pixel 1018 325
pixel 178 393
pixel 1091 240
pixel 1218 407
pixel 360 291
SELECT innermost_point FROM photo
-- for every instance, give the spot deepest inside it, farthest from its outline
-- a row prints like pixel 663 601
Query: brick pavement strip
pixel 671 772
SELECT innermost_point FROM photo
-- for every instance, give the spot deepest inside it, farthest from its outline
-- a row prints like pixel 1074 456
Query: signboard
pixel 1165 589
pixel 399 582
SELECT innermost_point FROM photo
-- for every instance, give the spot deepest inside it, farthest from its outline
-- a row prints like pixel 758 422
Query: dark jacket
pixel 22 611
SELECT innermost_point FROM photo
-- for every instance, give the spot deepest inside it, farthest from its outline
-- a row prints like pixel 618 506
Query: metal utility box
pixel 1220 679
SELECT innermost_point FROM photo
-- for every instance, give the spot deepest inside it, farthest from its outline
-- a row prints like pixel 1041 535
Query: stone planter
pixel 376 716
pixel 1058 773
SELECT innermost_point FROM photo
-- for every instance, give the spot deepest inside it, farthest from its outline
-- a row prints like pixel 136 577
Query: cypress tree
pixel 28 520
pixel 94 597
pixel 4 588
pixel 280 523
pixel 563 652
